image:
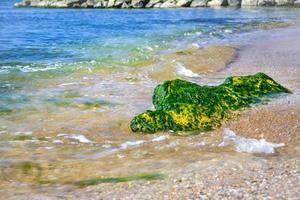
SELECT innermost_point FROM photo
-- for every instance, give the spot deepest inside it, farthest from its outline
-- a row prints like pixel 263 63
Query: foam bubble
pixel 159 138
pixel 127 144
pixel 28 69
pixel 27 133
pixel 106 146
pixel 68 84
pixel 228 31
pixel 80 138
pixel 248 144
pixel 182 70
pixel 201 144
pixel 57 142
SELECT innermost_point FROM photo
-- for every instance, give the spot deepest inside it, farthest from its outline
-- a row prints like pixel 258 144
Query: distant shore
pixel 153 3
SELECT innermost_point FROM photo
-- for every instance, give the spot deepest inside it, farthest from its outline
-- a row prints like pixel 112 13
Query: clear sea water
pixel 38 40
pixel 40 45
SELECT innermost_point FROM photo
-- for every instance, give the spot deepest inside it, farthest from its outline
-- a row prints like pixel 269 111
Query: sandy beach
pixel 231 174
pixel 272 177
pixel 256 177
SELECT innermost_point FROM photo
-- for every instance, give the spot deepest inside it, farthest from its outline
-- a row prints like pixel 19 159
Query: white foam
pixel 228 31
pixel 29 68
pixel 57 142
pixel 4 71
pixel 127 144
pixel 90 70
pixel 33 141
pixel 73 143
pixel 120 156
pixel 196 45
pixel 248 144
pixel 201 144
pixel 149 48
pixel 106 146
pixel 80 138
pixel 23 133
pixel 182 70
pixel 159 138
pixel 67 84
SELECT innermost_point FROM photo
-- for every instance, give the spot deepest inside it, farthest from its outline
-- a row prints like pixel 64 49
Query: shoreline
pixel 241 179
pixel 251 176
pixel 236 175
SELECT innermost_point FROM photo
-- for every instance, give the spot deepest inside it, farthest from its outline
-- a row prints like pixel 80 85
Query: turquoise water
pixel 42 44
pixel 41 39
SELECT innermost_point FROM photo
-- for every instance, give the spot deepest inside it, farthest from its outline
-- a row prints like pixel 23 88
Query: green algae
pixel 5 111
pixel 29 168
pixel 10 137
pixel 184 53
pixel 6 136
pixel 71 98
pixel 79 103
pixel 23 137
pixel 184 106
pixel 26 167
pixel 151 176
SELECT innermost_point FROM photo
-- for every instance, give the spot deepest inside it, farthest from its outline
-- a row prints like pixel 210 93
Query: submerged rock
pixel 184 106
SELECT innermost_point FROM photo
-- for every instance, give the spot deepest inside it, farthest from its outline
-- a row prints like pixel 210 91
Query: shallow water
pixel 71 80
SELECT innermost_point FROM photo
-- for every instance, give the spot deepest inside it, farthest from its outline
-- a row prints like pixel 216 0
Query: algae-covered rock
pixel 184 106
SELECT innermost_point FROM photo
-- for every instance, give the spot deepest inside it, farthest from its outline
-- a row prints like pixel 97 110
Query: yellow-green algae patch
pixel 23 137
pixel 184 106
pixel 80 103
pixel 150 176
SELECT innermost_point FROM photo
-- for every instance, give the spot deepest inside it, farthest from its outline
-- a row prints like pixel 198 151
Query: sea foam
pixel 127 144
pixel 182 70
pixel 159 138
pixel 79 138
pixel 248 145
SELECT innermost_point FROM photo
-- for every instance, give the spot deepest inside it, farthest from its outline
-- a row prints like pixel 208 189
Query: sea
pixel 72 79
